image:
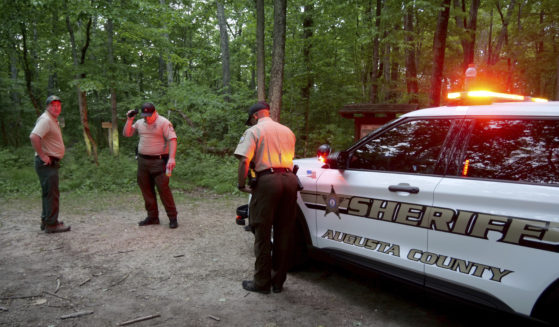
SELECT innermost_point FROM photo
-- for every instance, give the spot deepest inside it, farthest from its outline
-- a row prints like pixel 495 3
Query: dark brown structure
pixel 368 117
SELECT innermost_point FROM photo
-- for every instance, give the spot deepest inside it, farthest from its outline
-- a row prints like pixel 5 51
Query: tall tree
pixel 278 58
pixel 469 26
pixel 373 95
pixel 91 145
pixel 224 43
pixel 308 26
pixel 411 68
pixel 114 134
pixel 503 34
pixel 260 58
pixel 29 72
pixel 557 80
pixel 168 61
pixel 439 46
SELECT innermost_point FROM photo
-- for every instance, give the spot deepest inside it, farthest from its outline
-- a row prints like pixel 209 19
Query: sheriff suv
pixel 460 199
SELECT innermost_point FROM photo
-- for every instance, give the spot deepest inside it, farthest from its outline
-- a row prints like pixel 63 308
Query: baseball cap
pixel 260 105
pixel 52 98
pixel 148 109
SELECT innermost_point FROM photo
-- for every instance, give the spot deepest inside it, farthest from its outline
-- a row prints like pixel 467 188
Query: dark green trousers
pixel 273 204
pixel 50 195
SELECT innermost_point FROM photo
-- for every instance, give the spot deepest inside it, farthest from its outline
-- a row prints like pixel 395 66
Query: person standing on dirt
pixel 156 161
pixel 46 139
pixel 272 147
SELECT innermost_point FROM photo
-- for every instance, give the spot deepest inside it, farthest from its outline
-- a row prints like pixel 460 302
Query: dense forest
pixel 204 62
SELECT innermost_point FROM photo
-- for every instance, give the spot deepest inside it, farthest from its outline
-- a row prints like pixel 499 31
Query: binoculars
pixel 133 113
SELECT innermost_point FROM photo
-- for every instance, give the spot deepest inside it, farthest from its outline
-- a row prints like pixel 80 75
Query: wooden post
pixel 109 126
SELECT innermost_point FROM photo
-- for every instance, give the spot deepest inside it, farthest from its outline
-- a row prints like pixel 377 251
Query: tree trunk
pixel 469 26
pixel 167 60
pixel 503 34
pixel 539 55
pixel 114 141
pixel 308 25
pixel 260 62
pixel 82 100
pixel 373 95
pixel 489 37
pixel 278 57
pixel 394 74
pixel 387 54
pixel 557 81
pixel 52 83
pixel 411 68
pixel 161 69
pixel 224 43
pixel 439 45
pixel 28 72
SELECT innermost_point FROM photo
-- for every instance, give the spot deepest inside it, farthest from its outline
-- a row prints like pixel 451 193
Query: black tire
pixel 300 244
pixel 546 307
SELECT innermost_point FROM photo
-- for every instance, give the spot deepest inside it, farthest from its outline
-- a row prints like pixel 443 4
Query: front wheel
pixel 299 254
pixel 546 307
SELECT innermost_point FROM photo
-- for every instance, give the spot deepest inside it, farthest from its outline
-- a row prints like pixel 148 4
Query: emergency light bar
pixel 490 95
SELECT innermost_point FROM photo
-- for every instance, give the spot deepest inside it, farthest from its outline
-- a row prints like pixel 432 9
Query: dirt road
pixel 112 271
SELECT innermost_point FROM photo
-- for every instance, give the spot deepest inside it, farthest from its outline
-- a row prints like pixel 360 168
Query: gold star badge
pixel 332 202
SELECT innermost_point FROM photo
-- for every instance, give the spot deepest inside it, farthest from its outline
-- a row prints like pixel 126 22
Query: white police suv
pixel 460 199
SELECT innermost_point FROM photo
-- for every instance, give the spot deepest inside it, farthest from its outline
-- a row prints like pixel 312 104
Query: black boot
pixel 149 221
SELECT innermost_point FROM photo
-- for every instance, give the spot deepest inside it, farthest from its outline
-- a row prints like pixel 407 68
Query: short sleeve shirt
pixel 154 138
pixel 48 129
pixel 269 144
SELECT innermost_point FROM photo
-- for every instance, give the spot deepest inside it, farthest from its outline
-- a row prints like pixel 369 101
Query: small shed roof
pixel 370 109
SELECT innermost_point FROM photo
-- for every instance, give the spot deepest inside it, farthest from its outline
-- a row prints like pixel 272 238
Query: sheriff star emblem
pixel 332 202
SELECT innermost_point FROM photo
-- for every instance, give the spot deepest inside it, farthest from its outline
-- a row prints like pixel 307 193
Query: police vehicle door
pixel 492 231
pixel 374 203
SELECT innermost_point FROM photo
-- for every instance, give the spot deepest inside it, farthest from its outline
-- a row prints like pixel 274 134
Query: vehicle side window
pixel 413 146
pixel 514 150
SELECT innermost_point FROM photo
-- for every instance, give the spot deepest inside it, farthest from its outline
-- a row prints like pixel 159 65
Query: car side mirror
pixel 336 160
pixel 323 152
pixel 341 160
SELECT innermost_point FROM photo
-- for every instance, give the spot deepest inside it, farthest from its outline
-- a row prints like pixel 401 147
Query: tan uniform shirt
pixel 154 138
pixel 268 144
pixel 48 129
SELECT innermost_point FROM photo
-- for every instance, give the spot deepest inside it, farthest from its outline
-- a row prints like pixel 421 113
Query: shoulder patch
pixel 243 136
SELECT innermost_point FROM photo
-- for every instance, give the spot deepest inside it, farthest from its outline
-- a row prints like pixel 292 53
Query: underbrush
pixel 80 175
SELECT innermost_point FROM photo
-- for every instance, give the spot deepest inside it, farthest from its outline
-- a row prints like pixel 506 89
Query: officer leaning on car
pixel 271 146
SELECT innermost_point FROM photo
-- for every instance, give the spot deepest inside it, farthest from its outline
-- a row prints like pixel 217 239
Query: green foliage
pixel 149 36
pixel 17 175
pixel 207 171
pixel 78 175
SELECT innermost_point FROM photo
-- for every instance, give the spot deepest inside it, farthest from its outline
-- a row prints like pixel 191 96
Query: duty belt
pixel 52 159
pixel 159 156
pixel 272 171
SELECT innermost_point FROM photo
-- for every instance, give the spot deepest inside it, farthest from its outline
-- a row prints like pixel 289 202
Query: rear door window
pixel 522 150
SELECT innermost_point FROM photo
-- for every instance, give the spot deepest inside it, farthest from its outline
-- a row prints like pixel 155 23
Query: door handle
pixel 403 188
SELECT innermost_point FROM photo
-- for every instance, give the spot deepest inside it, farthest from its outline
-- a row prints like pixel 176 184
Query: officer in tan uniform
pixel 156 160
pixel 46 139
pixel 272 147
